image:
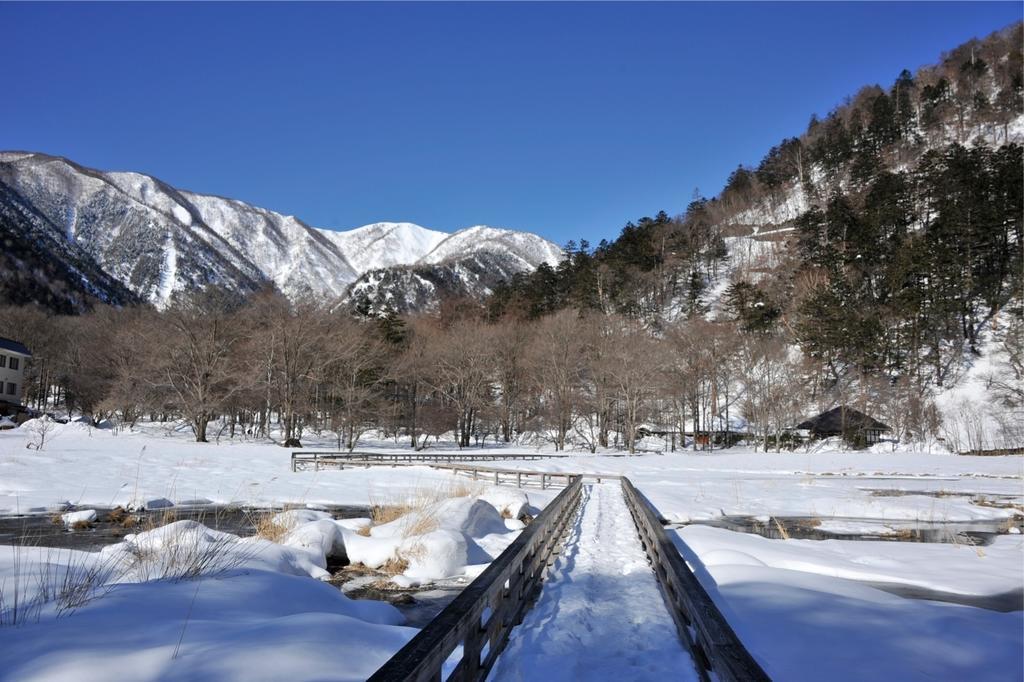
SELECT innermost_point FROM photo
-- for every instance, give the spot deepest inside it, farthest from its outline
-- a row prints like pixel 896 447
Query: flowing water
pixel 111 525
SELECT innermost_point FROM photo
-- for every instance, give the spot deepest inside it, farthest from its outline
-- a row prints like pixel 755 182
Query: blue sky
pixel 562 119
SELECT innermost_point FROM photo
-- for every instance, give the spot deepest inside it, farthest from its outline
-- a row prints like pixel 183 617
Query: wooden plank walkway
pixel 482 618
pixel 600 615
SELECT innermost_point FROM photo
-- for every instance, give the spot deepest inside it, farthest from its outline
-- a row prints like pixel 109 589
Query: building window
pixel 14 363
pixel 12 389
pixel 3 360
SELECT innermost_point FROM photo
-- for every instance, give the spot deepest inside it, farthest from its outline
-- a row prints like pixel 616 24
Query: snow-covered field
pixel 860 609
pixel 94 467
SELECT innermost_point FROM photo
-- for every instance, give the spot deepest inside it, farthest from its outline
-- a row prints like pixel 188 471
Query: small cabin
pixel 852 425
pixel 13 356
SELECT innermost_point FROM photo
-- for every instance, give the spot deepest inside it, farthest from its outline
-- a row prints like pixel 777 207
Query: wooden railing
pixel 999 452
pixel 498 476
pixel 481 618
pixel 717 651
pixel 303 458
pixel 522 477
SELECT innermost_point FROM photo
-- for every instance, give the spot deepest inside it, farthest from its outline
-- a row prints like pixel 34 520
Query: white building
pixel 13 357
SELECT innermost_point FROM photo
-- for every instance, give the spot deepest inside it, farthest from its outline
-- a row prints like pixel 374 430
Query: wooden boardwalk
pixel 483 617
pixel 600 615
pixel 316 459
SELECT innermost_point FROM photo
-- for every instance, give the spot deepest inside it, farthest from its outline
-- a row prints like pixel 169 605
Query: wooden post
pixel 519 479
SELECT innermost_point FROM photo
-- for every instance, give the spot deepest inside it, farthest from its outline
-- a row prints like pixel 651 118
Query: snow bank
pixel 958 569
pixel 184 549
pixel 802 607
pixel 296 517
pixel 144 504
pixel 83 516
pixel 251 625
pixel 509 502
pixel 445 539
pixel 322 539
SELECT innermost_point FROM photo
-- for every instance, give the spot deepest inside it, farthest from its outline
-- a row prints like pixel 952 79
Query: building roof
pixel 840 419
pixel 14 347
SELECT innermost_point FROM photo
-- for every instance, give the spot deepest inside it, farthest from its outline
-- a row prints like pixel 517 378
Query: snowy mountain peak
pixel 528 248
pixel 384 245
pixel 158 241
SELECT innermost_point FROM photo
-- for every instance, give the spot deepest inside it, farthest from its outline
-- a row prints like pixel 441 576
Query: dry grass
pixel 267 527
pixel 902 533
pixel 1007 524
pixel 64 579
pixel 81 525
pixel 417 510
pixel 395 566
pixel 154 521
pixel 782 529
pixel 463 488
pixel 186 554
pixel 382 512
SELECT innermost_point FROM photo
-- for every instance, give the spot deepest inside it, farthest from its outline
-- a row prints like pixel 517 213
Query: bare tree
pixel 557 369
pixel 190 359
pixel 509 351
pixel 633 361
pixel 353 369
pixel 767 372
pixel 462 356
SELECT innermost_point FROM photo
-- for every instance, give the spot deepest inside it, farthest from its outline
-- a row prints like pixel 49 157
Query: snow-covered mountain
pixel 408 268
pixel 383 245
pixel 130 232
pixel 525 248
pixel 466 264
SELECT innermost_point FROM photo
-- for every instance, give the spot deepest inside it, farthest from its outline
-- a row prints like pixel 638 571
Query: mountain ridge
pixel 159 241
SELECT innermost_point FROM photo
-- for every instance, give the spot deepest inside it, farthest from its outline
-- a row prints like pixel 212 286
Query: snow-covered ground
pixel 859 609
pixel 829 486
pixel 255 621
pixel 803 607
pixel 94 467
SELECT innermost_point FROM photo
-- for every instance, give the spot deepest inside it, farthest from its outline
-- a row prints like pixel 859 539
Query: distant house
pixel 13 357
pixel 853 425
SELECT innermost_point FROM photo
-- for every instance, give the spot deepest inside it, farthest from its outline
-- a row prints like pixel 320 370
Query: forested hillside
pixel 882 241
